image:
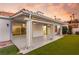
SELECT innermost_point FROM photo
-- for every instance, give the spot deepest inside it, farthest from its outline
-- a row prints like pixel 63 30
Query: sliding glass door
pixel 18 29
pixel 46 29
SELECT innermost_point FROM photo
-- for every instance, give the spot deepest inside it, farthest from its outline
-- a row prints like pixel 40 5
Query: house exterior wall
pixel 37 30
pixel 74 30
pixel 4 30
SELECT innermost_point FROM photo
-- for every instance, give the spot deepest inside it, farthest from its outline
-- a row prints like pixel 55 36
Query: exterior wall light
pixel 7 25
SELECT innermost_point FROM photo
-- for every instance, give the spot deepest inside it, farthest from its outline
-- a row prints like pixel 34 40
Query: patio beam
pixel 42 22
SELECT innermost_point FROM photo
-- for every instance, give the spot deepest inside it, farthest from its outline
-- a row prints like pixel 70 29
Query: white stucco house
pixel 28 30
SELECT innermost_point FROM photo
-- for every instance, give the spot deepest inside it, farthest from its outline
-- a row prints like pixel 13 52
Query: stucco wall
pixel 74 30
pixel 38 30
pixel 4 30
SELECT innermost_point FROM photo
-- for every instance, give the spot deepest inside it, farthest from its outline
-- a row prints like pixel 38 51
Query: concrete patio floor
pixel 37 42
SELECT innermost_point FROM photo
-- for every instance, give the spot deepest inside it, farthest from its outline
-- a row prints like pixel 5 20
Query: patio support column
pixel 29 32
pixel 60 29
pixel 10 30
pixel 53 30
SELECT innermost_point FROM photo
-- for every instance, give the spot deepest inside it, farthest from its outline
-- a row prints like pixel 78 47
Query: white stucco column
pixel 53 30
pixel 60 29
pixel 29 32
pixel 10 30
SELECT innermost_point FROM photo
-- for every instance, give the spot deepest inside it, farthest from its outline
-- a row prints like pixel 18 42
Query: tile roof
pixel 2 13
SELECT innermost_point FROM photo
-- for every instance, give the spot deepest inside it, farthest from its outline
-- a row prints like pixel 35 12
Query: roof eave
pixel 4 17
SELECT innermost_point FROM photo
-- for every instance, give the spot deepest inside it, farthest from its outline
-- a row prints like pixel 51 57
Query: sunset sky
pixel 62 11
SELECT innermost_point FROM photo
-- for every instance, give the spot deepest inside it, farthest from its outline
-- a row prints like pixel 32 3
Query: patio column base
pixel 22 52
pixel 27 47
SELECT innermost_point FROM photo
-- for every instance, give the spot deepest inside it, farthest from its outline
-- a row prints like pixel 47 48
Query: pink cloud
pixel 62 11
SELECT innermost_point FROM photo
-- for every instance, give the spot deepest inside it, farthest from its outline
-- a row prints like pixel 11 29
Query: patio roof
pixel 23 13
pixel 34 15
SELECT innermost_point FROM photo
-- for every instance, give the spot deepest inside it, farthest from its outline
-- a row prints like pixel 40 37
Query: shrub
pixel 64 30
pixel 77 32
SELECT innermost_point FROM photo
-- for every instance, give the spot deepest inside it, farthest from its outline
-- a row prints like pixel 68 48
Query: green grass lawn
pixel 10 50
pixel 64 46
pixel 68 45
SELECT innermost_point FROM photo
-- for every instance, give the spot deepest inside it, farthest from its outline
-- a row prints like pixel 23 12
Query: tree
pixel 70 30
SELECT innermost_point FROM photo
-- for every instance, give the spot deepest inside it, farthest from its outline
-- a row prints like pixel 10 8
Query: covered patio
pixel 32 30
pixel 36 43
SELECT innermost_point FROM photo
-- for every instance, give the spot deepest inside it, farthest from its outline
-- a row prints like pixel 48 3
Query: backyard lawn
pixel 68 45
